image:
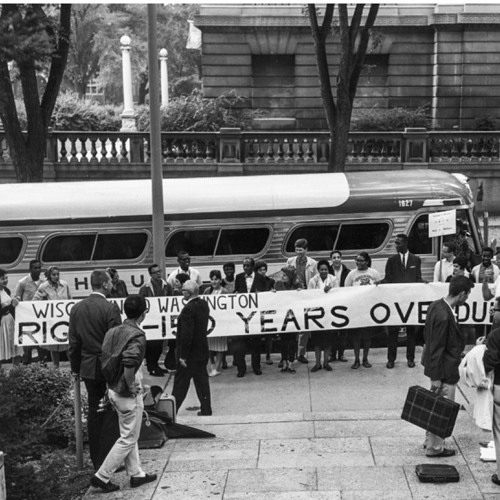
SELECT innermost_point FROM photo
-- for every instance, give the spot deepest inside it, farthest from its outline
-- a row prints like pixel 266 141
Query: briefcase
pixel 430 411
pixel 437 473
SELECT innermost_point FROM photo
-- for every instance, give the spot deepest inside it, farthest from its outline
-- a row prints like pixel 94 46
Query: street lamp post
pixel 155 144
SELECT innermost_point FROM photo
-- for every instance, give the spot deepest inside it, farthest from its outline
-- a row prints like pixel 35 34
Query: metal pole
pixel 486 230
pixel 155 143
pixel 440 259
pixel 78 423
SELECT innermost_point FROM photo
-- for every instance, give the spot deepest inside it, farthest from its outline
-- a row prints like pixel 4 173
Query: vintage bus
pixel 80 226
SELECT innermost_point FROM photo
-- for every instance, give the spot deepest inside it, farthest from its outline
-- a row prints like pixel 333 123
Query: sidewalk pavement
pixel 321 436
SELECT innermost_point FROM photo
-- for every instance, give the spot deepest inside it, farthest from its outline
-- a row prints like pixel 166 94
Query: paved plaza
pixel 320 436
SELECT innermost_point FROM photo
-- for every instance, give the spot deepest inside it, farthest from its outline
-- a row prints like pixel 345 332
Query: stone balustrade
pixel 100 155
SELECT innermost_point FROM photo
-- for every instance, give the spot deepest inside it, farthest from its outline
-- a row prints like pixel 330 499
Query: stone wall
pixel 445 57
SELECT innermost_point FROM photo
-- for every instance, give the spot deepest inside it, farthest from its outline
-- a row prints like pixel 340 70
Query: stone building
pixel 446 57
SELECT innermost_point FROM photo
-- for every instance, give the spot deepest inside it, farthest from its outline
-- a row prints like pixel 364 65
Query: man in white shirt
pixel 306 269
pixel 444 267
pixel 25 291
pixel 486 270
pixel 184 261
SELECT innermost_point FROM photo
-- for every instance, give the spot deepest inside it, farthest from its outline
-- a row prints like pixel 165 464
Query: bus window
pixel 194 242
pixel 243 241
pixel 324 237
pixel 418 238
pixel 69 248
pixel 10 249
pixel 120 246
pixel 319 237
pixel 362 236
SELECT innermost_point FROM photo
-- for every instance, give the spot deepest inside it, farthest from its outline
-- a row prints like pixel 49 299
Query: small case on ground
pixel 437 473
pixel 166 407
pixel 430 411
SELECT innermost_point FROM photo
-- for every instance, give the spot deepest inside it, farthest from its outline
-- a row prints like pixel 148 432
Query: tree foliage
pixel 34 41
pixel 87 22
pixel 354 37
pixel 95 50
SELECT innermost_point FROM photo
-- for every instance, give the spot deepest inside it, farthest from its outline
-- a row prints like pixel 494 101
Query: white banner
pixel 46 322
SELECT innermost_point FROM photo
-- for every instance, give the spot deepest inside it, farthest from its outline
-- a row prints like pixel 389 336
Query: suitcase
pixel 166 407
pixel 430 411
pixel 437 473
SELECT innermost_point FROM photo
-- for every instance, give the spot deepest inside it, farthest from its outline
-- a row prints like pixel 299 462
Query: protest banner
pixel 46 322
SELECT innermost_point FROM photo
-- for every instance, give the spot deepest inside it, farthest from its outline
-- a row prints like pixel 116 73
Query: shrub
pixel 378 119
pixel 73 113
pixel 194 113
pixel 488 122
pixel 36 412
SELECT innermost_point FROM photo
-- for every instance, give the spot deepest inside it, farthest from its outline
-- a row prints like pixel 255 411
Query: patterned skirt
pixel 7 348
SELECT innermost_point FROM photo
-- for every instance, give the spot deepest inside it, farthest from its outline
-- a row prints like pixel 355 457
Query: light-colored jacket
pixel 310 267
pixel 472 373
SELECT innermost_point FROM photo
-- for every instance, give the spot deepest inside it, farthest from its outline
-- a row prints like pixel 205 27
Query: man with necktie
pixel 404 267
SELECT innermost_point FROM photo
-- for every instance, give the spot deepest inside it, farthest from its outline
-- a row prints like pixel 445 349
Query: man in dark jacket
pixel 192 349
pixel 248 281
pixel 123 352
pixel 89 320
pixel 443 351
pixel 404 267
pixel 491 361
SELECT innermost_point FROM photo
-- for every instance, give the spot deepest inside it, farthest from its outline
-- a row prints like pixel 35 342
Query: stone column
pixel 164 76
pixel 128 114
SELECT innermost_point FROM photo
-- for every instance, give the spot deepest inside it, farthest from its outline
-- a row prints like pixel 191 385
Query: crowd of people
pixel 97 336
pixel 298 272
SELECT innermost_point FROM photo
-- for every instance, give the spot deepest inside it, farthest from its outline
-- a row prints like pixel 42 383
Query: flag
pixel 194 37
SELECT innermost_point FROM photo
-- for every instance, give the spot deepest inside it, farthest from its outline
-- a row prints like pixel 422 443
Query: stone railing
pixel 99 155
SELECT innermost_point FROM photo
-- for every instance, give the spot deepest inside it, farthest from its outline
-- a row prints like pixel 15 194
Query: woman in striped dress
pixel 216 345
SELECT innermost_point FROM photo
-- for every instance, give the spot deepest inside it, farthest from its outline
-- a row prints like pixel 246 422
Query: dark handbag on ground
pixel 431 412
pixel 153 432
pixel 437 473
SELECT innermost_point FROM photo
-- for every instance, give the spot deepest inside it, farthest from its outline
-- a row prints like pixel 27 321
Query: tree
pixel 87 21
pixel 354 39
pixel 33 42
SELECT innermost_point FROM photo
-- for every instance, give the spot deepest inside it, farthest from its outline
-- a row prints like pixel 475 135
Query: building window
pixel 273 84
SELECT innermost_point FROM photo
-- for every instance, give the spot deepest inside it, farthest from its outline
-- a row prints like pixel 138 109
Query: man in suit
pixel 404 267
pixel 443 351
pixel 248 281
pixel 192 349
pixel 89 320
pixel 157 287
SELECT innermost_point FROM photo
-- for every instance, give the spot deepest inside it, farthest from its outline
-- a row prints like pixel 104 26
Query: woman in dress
pixel 54 289
pixel 288 281
pixel 363 275
pixel 216 345
pixel 322 340
pixel 8 350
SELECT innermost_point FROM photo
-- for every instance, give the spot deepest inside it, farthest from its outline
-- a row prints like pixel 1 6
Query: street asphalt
pixel 327 435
